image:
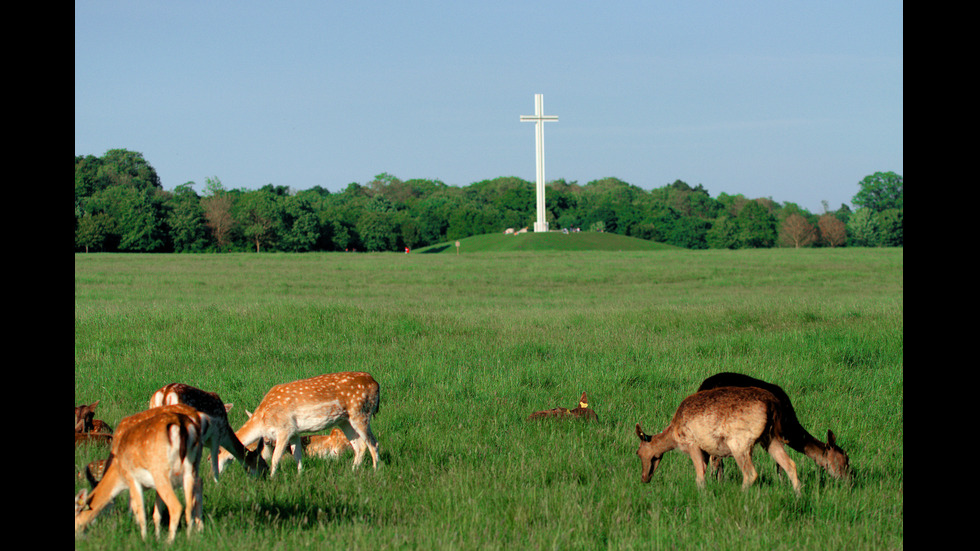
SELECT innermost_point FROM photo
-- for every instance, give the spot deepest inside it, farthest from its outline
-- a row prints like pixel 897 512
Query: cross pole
pixel 539 118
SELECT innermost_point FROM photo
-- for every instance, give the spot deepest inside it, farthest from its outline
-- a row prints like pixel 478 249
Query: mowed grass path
pixel 465 347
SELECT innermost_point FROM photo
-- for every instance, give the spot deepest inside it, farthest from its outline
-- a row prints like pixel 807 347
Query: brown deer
pixel 220 432
pixel 827 455
pixel 155 451
pixel 327 446
pixel 721 422
pixel 84 414
pixel 347 400
pixel 581 412
pixel 86 422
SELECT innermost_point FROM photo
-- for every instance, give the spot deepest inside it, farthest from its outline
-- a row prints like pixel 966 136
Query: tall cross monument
pixel 539 118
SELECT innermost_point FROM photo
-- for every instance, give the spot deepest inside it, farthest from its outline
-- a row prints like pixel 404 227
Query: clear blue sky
pixel 797 101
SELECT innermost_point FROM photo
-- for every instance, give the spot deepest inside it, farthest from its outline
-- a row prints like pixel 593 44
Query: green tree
pixel 723 234
pixel 258 213
pixel 880 191
pixel 92 231
pixel 863 228
pixel 188 230
pixel 890 228
pixel 301 227
pixel 377 231
pixel 757 226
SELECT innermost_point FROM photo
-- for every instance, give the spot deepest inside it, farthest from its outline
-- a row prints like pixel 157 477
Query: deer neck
pixel 111 485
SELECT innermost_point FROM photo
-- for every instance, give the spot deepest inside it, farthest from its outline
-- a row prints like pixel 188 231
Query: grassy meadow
pixel 466 346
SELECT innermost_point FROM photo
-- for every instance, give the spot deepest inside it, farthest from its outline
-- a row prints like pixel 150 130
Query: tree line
pixel 120 205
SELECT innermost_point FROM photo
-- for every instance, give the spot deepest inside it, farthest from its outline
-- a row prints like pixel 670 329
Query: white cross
pixel 539 118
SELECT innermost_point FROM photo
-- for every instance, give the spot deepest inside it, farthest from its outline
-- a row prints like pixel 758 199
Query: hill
pixel 550 241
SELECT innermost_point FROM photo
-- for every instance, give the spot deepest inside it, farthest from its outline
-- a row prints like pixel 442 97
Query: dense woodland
pixel 120 205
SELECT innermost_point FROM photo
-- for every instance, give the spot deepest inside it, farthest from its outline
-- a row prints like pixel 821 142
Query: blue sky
pixel 797 101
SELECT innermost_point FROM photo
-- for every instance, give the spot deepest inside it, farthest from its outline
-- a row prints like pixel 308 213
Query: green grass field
pixel 466 346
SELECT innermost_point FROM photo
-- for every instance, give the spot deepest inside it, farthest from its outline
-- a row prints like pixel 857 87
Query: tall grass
pixel 465 347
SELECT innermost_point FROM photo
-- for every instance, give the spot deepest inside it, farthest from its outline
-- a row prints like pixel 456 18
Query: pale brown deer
pixel 581 412
pixel 327 446
pixel 154 451
pixel 220 432
pixel 347 400
pixel 722 422
pixel 827 455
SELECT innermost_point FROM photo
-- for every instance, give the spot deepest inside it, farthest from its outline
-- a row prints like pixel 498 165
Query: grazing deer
pixel 827 455
pixel 326 445
pixel 581 412
pixel 154 451
pixel 347 400
pixel 220 432
pixel 722 422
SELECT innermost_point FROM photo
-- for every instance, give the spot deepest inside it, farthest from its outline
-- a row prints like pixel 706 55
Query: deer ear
pixel 639 432
pixel 831 439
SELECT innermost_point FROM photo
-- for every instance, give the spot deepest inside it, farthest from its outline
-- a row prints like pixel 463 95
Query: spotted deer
pixel 581 412
pixel 327 446
pixel 154 451
pixel 829 455
pixel 721 422
pixel 220 433
pixel 347 400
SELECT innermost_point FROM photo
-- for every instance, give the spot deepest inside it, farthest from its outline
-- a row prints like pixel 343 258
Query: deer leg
pixel 297 446
pixel 357 441
pixel 717 466
pixel 136 504
pixel 166 493
pixel 778 452
pixel 281 445
pixel 160 515
pixel 744 460
pixel 214 458
pixel 697 457
pixel 194 498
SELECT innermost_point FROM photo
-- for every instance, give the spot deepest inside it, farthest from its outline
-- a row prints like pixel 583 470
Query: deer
pixel 155 451
pixel 85 421
pixel 581 412
pixel 220 433
pixel 347 400
pixel 721 422
pixel 326 445
pixel 829 455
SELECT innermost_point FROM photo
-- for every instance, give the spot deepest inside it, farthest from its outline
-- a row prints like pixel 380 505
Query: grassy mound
pixel 549 241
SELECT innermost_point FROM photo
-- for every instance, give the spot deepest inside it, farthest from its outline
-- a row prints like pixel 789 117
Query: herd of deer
pixel 162 446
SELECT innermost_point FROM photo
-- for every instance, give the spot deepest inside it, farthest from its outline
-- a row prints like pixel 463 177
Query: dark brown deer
pixel 827 455
pixel 220 432
pixel 86 422
pixel 581 412
pixel 720 422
